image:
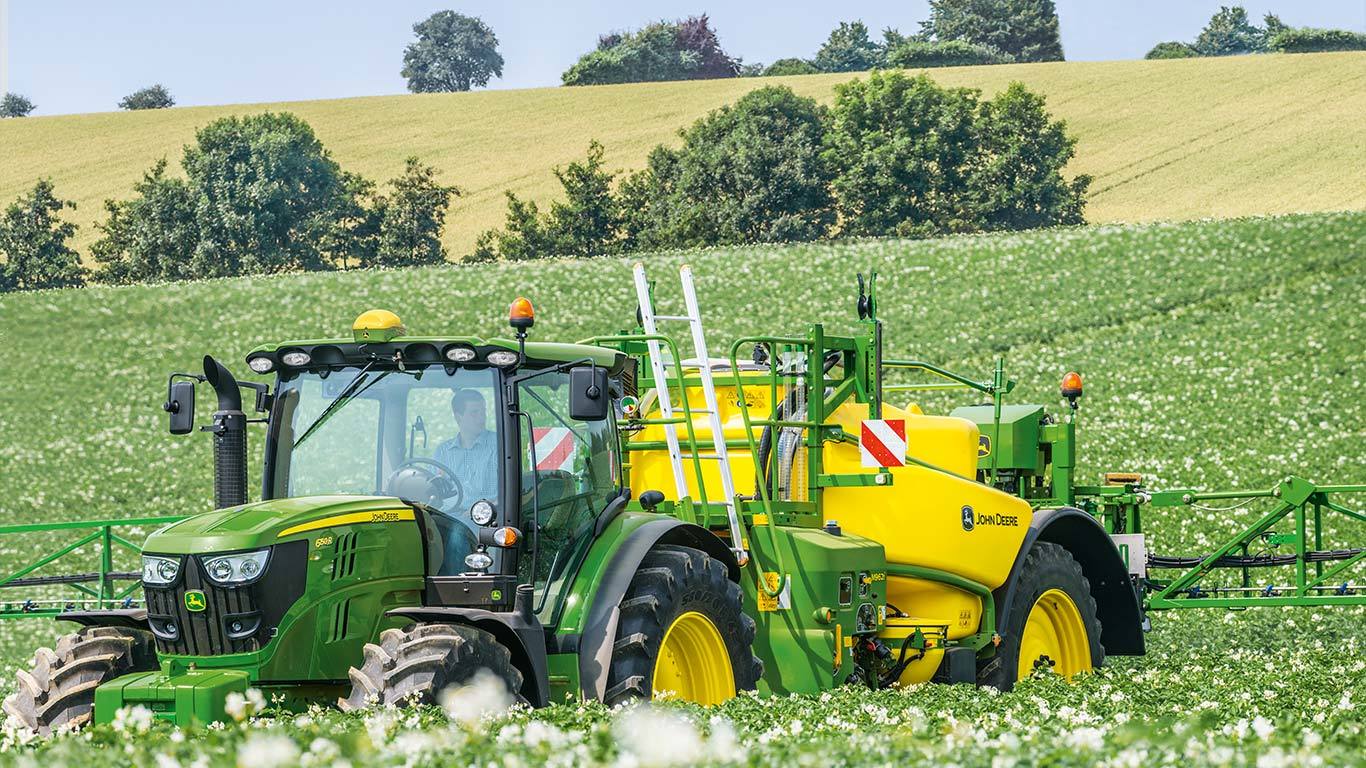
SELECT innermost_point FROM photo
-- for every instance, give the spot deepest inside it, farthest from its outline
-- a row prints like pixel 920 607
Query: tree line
pixel 894 155
pixel 455 52
pixel 1230 32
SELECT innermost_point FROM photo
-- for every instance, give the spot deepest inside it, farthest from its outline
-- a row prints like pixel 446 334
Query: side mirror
pixel 588 398
pixel 179 406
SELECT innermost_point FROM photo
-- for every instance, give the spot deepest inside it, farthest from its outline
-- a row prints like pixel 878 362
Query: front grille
pixel 235 619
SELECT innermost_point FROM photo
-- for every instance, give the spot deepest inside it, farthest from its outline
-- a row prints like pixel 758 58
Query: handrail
pixel 762 485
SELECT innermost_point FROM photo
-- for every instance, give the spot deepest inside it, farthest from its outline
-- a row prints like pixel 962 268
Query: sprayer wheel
pixel 58 692
pixel 1052 622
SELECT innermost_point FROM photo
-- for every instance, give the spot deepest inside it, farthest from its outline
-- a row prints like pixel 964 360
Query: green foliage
pixel 687 49
pixel 411 218
pixel 848 49
pixel 152 236
pixel 586 223
pixel 1025 29
pixel 15 105
pixel 915 54
pixel 1232 369
pixel 1172 49
pixel 748 172
pixel 33 243
pixel 453 52
pixel 1229 33
pixel 791 66
pixel 1017 181
pixel 1307 40
pixel 915 159
pixel 151 97
pixel 266 195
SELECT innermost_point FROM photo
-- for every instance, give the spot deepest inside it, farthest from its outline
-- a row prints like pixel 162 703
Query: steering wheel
pixel 441 479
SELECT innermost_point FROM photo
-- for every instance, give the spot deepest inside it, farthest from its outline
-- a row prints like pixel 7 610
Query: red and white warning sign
pixel 554 448
pixel 882 442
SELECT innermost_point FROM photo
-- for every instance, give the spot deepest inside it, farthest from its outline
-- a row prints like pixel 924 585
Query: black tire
pixel 1047 566
pixel 671 581
pixel 411 666
pixel 58 693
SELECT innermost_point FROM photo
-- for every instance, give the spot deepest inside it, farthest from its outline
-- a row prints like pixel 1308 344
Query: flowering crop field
pixel 1217 354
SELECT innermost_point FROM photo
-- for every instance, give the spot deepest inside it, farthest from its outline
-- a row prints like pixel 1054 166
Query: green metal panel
pixel 1015 444
pixel 800 651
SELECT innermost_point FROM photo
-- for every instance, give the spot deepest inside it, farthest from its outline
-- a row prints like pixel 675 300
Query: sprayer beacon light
pixel 521 315
pixel 1071 385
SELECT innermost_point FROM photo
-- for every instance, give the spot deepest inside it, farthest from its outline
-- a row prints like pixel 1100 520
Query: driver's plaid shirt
pixel 475 467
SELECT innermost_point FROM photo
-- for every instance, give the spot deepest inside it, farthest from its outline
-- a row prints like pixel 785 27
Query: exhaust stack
pixel 229 430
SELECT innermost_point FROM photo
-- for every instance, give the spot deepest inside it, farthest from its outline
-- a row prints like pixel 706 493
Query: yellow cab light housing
pixel 377 325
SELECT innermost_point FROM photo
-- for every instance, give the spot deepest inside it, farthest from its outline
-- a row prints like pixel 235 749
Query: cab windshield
pixel 425 434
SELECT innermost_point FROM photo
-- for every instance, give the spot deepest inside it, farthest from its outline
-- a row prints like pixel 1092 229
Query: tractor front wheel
pixel 682 633
pixel 1052 622
pixel 59 692
pixel 412 665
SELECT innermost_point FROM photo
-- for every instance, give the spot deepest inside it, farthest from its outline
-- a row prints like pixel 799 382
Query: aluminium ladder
pixel 719 454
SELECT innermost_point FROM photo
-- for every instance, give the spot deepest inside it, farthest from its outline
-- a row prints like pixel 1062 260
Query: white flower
pixel 654 738
pixel 133 719
pixel 485 694
pixel 267 751
pixel 1086 738
pixel 1262 727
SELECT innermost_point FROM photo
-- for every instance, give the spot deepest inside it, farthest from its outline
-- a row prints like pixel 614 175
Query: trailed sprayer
pixel 629 517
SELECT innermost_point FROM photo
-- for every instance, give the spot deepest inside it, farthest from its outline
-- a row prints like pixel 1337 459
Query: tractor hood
pixel 264 523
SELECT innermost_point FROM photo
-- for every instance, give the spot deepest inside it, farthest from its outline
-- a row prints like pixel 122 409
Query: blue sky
pixel 84 55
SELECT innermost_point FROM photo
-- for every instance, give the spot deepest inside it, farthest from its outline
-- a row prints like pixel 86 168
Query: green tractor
pixel 606 520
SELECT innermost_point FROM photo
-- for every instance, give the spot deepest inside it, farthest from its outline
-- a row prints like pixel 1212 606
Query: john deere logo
pixel 983 446
pixel 968 521
pixel 195 601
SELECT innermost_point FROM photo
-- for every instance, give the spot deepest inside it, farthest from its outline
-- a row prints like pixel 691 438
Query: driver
pixel 473 453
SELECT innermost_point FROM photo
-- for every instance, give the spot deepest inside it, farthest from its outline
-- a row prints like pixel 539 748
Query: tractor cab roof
pixel 380 337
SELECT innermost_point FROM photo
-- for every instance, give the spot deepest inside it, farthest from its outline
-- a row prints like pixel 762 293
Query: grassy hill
pixel 1216 354
pixel 1164 139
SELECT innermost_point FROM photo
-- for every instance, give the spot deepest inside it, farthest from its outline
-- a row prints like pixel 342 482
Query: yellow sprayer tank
pixel 943 520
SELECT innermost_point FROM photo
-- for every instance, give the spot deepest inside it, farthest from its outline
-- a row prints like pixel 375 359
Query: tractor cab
pixel 497 445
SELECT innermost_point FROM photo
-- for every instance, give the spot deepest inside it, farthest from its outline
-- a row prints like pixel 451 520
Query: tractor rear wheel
pixel 683 631
pixel 413 665
pixel 59 692
pixel 1052 622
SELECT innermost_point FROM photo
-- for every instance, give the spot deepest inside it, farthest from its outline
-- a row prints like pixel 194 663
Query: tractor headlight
pixel 502 358
pixel 236 569
pixel 482 512
pixel 459 353
pixel 159 570
pixel 296 359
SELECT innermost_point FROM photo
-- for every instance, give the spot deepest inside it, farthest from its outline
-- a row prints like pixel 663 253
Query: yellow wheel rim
pixel 693 664
pixel 1054 637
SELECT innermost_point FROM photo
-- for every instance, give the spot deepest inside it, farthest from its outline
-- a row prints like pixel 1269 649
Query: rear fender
pixel 1117 604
